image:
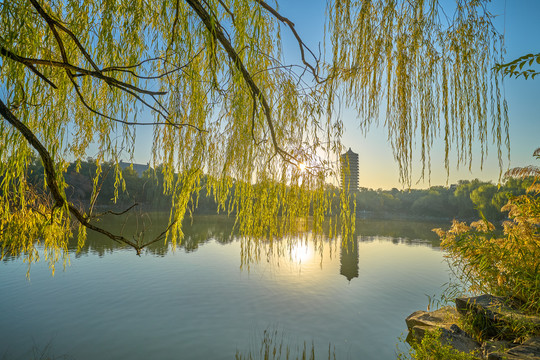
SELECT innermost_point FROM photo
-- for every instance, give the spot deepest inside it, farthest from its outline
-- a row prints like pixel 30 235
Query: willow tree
pixel 207 78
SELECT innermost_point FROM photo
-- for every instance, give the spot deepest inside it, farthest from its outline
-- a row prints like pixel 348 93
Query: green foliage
pixel 390 52
pixel 431 348
pixel 461 201
pixel 507 266
pixel 482 199
pixel 514 68
pixel 147 189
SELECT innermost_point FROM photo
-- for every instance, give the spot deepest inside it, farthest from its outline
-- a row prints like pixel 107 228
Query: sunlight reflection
pixel 300 252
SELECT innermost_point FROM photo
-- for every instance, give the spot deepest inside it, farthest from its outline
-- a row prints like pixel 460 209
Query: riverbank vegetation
pixel 274 346
pixel 430 348
pixel 502 264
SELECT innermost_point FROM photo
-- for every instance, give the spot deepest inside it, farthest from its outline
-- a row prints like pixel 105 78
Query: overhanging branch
pixel 301 43
pixel 52 183
pixel 214 27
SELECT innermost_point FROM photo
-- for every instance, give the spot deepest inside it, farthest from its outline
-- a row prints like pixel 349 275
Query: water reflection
pixel 198 295
pixel 406 231
pixel 200 230
pixel 197 231
pixel 349 259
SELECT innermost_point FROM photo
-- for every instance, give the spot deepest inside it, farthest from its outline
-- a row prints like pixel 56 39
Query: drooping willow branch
pixel 73 71
pixel 301 43
pixel 215 29
pixel 51 176
pixel 53 24
pixel 76 71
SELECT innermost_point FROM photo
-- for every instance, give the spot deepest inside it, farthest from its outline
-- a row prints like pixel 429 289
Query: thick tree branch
pixel 5 52
pixel 214 27
pixel 301 43
pixel 50 175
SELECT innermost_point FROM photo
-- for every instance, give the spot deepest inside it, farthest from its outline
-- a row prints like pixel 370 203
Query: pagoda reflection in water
pixel 349 259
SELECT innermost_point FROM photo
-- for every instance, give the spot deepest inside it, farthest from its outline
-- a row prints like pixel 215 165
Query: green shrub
pixel 431 348
pixel 501 265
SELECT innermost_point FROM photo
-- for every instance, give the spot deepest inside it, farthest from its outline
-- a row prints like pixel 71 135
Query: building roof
pixel 139 168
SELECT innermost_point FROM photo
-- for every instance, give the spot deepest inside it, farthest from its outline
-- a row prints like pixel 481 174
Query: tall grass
pixel 507 265
pixel 274 347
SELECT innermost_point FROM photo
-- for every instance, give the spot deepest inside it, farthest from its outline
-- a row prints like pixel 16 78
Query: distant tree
pixel 462 198
pixel 512 187
pixel 482 198
pixel 434 203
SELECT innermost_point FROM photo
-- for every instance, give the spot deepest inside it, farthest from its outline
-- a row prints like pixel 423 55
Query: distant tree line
pixel 464 200
pixel 146 188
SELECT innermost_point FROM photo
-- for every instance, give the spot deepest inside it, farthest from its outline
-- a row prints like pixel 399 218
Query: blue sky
pixel 517 20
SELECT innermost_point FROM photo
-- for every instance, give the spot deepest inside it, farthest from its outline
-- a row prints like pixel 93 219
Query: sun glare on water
pixel 301 253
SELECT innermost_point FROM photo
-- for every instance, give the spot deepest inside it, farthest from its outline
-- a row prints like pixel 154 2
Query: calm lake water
pixel 202 301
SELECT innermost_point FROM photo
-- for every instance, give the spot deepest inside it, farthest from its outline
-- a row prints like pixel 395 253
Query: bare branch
pixel 116 213
pixel 132 123
pixel 228 11
pixel 160 236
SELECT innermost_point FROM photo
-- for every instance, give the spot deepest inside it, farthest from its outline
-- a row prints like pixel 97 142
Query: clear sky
pixel 516 19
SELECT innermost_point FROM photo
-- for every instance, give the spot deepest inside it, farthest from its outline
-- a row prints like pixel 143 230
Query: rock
pixel 529 350
pixel 444 315
pixel 487 302
pixel 450 335
pixel 459 339
pixel 494 349
pixel 417 333
pixel 494 316
pixel 422 322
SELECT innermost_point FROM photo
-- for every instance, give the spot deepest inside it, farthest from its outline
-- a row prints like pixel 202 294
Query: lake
pixel 207 299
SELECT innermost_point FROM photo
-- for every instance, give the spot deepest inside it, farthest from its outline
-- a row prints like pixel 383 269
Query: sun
pixel 302 167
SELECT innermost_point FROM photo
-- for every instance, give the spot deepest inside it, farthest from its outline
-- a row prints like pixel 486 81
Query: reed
pixel 504 265
pixel 274 347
